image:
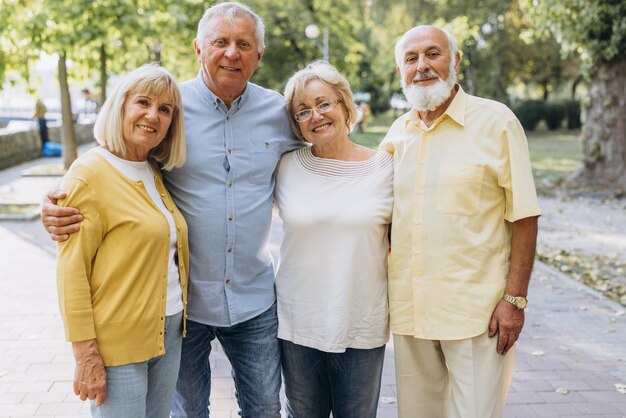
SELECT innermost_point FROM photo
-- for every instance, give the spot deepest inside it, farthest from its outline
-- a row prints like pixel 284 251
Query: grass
pixel 554 155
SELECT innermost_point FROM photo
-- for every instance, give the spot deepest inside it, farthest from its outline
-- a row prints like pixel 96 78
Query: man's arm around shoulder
pixel 59 221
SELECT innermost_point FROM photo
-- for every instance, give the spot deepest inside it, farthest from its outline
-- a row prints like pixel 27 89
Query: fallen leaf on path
pixel 388 399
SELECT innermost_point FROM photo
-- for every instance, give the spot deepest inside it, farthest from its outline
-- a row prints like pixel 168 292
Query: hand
pixel 90 374
pixel 506 321
pixel 59 221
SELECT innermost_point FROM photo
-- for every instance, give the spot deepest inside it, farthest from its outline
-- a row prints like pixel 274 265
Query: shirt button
pixel 228 117
pixel 229 184
pixel 227 281
pixel 229 249
pixel 230 151
pixel 162 194
pixel 230 217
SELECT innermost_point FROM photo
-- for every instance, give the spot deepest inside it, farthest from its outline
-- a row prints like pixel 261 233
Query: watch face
pixel 520 302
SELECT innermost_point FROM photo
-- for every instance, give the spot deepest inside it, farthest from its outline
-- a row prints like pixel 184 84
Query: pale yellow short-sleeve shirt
pixel 456 183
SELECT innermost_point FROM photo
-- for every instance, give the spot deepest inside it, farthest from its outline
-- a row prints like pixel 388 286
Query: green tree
pixel 287 47
pixel 598 28
pixel 97 37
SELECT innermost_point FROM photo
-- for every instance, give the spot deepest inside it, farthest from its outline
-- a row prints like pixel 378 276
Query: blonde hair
pixel 151 80
pixel 327 74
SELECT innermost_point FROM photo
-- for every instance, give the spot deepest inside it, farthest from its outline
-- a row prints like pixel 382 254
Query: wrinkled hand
pixel 59 221
pixel 90 375
pixel 507 322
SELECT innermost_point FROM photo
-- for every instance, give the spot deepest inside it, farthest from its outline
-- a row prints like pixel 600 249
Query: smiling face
pixel 321 128
pixel 427 67
pixel 146 120
pixel 229 55
pixel 425 57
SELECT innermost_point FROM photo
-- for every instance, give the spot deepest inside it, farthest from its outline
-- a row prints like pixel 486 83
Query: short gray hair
pixel 398 50
pixel 327 74
pixel 230 11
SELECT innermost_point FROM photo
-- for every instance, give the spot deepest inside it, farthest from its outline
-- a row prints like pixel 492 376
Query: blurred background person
pixel 40 115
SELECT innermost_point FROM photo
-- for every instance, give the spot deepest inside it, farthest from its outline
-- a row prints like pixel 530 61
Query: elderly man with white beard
pixel 463 237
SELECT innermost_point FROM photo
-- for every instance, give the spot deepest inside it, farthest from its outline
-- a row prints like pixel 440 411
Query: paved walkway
pixel 571 359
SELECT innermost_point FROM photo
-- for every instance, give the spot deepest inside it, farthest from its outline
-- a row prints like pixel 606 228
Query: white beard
pixel 430 98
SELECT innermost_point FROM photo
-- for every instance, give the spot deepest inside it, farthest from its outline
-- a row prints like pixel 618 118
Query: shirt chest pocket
pixel 264 157
pixel 458 189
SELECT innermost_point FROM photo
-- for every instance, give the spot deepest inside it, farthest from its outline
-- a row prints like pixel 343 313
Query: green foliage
pixel 287 47
pixel 554 156
pixel 529 113
pixel 554 114
pixel 598 26
pixel 501 46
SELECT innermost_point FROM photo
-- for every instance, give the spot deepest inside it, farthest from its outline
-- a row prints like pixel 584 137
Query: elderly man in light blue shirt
pixel 236 131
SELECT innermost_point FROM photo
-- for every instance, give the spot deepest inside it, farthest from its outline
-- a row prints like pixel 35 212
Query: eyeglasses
pixel 321 108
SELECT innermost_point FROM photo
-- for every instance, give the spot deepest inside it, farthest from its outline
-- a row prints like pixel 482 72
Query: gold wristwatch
pixel 519 302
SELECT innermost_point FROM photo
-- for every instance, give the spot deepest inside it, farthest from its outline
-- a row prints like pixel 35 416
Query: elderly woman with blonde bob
pixel 122 279
pixel 335 200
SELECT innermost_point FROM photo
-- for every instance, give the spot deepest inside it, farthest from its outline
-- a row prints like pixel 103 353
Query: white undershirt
pixel 331 283
pixel 141 171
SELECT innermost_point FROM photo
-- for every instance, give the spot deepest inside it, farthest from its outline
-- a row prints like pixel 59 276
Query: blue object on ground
pixel 52 149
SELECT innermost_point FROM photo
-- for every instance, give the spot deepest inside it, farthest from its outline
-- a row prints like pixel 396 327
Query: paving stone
pixel 518 411
pixel 555 409
pixel 11 398
pixel 596 408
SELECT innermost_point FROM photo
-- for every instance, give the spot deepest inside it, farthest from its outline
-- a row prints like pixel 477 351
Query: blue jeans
pixel 317 382
pixel 254 354
pixel 144 389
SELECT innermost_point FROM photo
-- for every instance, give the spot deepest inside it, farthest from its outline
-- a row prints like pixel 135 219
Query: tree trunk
pixel 575 83
pixel 103 75
pixel 604 133
pixel 69 135
pixel 546 91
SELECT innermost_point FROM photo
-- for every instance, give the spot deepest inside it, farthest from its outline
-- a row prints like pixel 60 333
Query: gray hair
pixel 327 74
pixel 398 50
pixel 230 11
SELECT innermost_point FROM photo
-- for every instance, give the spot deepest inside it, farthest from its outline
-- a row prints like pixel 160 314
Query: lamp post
pixel 157 48
pixel 313 32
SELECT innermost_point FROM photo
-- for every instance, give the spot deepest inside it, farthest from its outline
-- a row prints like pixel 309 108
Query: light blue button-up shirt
pixel 224 190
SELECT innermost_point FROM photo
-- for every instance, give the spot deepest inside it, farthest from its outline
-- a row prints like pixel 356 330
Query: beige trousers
pixel 451 379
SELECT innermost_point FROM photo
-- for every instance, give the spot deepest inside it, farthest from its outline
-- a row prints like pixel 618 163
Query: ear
pixel 398 71
pixel 197 49
pixel 457 61
pixel 260 57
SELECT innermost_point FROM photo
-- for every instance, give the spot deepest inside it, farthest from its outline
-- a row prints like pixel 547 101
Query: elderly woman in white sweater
pixel 335 200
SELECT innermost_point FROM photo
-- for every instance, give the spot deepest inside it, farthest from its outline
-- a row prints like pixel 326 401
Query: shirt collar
pixel 455 110
pixel 212 98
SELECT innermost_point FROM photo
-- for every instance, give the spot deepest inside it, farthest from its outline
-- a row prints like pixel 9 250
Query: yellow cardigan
pixel 112 274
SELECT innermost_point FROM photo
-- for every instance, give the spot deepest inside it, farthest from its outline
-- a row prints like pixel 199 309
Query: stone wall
pixel 20 146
